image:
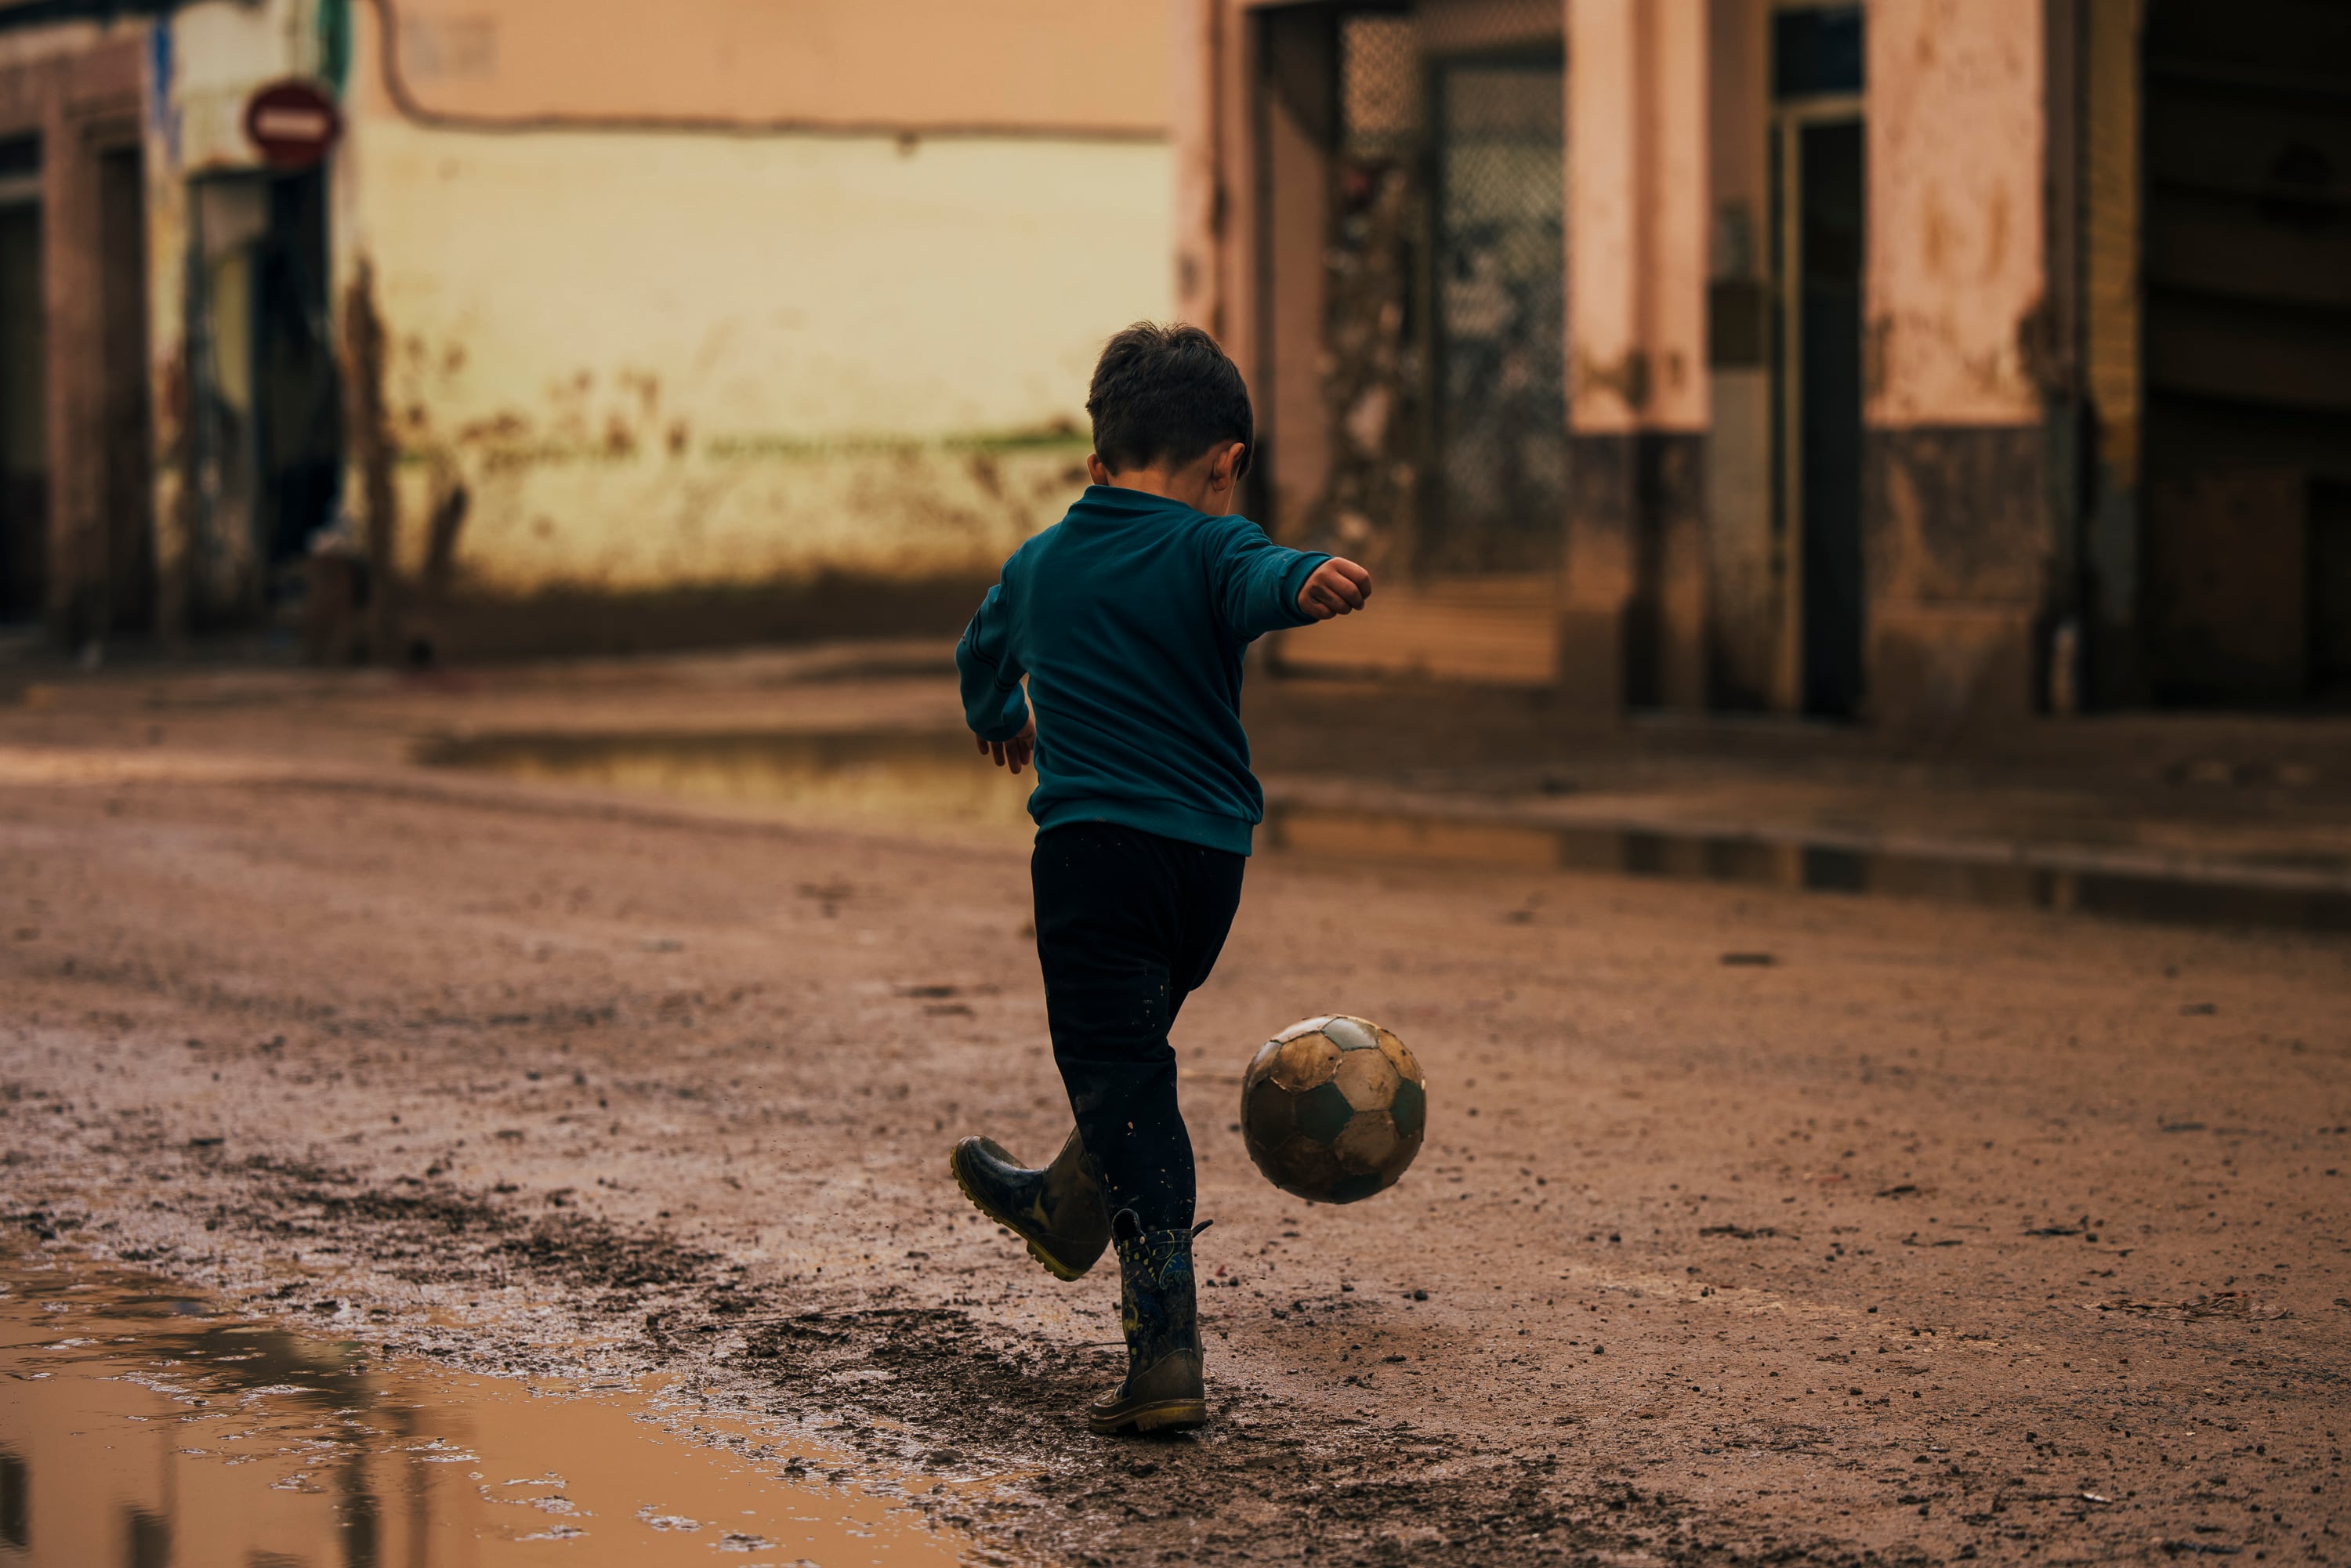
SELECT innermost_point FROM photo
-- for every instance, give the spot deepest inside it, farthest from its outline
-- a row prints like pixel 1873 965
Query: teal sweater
pixel 1129 617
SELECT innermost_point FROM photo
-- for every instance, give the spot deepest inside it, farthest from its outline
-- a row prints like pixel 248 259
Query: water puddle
pixel 1810 867
pixel 144 1428
pixel 913 780
pixel 896 777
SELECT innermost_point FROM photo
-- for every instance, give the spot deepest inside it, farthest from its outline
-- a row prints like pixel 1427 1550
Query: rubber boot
pixel 1163 1389
pixel 1057 1210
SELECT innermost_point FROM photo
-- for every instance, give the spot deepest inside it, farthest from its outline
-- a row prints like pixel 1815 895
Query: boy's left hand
pixel 1338 587
pixel 1016 752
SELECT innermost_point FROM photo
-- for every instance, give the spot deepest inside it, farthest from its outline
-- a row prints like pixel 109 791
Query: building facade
pixel 1935 361
pixel 592 323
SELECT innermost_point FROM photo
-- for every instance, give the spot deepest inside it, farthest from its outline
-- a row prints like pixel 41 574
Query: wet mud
pixel 897 1391
pixel 1753 1226
pixel 896 777
pixel 141 1424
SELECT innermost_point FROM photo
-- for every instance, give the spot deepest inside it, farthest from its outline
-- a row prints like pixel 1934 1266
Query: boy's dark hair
pixel 1166 393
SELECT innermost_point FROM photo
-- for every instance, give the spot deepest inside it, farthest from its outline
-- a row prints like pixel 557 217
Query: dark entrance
pixel 1828 417
pixel 1816 71
pixel 267 424
pixel 128 480
pixel 24 388
pixel 1412 272
pixel 2247 267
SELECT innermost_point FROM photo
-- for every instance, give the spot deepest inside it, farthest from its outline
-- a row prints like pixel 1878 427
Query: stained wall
pixel 1959 541
pixel 753 295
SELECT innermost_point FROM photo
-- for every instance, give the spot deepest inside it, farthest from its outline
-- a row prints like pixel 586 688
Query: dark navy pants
pixel 1128 924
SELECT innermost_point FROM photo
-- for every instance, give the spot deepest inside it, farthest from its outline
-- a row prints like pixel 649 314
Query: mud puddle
pixel 883 776
pixel 141 1426
pixel 1990 880
pixel 916 779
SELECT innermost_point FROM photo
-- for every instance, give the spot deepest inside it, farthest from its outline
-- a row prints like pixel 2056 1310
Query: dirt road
pixel 1753 1226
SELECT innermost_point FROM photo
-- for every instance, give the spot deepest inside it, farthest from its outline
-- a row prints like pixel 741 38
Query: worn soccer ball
pixel 1332 1108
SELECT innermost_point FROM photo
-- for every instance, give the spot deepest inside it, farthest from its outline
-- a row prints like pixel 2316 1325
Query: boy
pixel 1129 617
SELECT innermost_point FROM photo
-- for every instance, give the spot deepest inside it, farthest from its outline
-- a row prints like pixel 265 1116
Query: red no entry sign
pixel 293 123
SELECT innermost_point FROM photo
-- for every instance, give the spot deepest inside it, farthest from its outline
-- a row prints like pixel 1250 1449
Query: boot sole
pixel 1165 1415
pixel 1045 1260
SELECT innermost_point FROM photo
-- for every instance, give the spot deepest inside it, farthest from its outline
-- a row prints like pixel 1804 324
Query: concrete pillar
pixel 1295 122
pixel 1633 626
pixel 1198 52
pixel 1959 539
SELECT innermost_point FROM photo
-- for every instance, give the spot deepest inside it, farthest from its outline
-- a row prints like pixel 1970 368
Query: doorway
pixel 2246 451
pixel 267 424
pixel 24 388
pixel 128 481
pixel 1818 245
pixel 1499 309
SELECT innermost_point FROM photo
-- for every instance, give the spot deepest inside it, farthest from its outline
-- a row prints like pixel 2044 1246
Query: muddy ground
pixel 1752 1227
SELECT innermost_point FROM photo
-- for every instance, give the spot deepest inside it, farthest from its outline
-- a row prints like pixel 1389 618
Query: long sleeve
pixel 1258 581
pixel 993 705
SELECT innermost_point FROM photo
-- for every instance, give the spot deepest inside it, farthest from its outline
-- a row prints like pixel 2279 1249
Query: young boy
pixel 1129 617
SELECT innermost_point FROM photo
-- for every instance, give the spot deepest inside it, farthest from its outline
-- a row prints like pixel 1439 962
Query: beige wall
pixel 1042 65
pixel 691 293
pixel 1955 118
pixel 662 358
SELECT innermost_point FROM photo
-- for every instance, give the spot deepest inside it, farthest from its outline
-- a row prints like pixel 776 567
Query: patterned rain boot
pixel 1163 1390
pixel 1057 1210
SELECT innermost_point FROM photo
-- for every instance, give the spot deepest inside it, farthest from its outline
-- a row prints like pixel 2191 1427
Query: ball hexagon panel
pixel 1367 1080
pixel 1333 1109
pixel 1305 1062
pixel 1269 1119
pixel 1407 1066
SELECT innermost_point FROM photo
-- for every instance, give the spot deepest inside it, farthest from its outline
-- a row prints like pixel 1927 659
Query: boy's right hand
pixel 1338 587
pixel 1014 753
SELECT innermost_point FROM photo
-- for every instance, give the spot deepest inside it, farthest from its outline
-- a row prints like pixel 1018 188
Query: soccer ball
pixel 1332 1108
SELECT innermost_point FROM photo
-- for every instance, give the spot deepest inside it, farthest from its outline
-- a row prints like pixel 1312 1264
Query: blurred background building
pixel 1936 362
pixel 582 323
pixel 1940 361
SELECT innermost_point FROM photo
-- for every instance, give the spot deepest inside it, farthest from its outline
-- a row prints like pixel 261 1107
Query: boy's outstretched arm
pixel 1263 587
pixel 993 704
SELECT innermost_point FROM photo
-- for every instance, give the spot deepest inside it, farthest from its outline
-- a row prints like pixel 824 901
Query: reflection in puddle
pixel 899 776
pixel 1819 868
pixel 912 780
pixel 141 1428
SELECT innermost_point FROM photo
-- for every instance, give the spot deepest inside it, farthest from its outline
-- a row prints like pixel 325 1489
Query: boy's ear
pixel 1096 469
pixel 1231 462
